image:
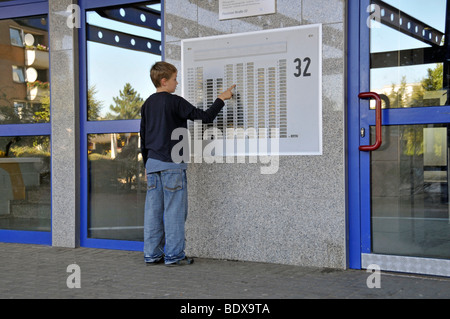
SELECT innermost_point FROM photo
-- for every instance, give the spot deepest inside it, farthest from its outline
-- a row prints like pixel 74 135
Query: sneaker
pixel 182 262
pixel 152 263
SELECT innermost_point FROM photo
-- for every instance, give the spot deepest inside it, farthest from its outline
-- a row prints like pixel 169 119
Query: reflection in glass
pixel 117 187
pixel 16 37
pixel 24 71
pixel 25 183
pixel 121 49
pixel 18 74
pixel 410 207
pixel 408 60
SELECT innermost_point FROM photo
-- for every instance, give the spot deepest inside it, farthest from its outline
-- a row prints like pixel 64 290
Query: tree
pixel 398 98
pixel 7 111
pixel 127 105
pixel 42 115
pixel 432 83
pixel 94 106
pixel 435 79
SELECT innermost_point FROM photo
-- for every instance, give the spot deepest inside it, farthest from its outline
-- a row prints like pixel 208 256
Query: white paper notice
pixel 278 78
pixel 233 9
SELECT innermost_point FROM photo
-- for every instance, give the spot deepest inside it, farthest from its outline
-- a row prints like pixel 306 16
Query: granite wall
pixel 296 216
pixel 65 127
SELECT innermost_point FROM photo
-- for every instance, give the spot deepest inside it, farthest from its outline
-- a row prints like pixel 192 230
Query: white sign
pixel 278 77
pixel 233 9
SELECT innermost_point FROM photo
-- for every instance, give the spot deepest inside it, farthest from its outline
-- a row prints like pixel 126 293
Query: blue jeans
pixel 165 216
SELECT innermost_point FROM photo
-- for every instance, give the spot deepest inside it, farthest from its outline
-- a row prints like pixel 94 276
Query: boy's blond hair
pixel 161 70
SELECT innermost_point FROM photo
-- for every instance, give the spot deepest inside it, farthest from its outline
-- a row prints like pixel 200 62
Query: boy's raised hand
pixel 228 94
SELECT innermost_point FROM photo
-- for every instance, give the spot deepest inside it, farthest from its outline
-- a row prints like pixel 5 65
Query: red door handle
pixel 378 119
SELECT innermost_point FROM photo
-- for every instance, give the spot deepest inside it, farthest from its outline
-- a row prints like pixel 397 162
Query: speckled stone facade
pixel 296 216
pixel 65 127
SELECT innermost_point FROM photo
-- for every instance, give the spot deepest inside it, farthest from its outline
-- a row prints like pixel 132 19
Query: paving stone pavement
pixel 33 271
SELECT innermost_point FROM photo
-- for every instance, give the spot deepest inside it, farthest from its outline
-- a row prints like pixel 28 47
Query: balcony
pixel 37 57
pixel 37 90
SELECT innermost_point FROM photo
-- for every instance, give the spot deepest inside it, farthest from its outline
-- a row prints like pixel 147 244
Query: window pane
pixel 121 48
pixel 117 187
pixel 408 52
pixel 16 37
pixel 410 207
pixel 25 192
pixel 24 71
pixel 18 74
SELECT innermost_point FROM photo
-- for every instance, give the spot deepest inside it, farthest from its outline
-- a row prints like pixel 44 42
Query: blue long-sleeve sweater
pixel 161 114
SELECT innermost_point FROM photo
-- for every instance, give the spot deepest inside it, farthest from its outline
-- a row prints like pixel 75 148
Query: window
pixel 117 186
pixel 16 37
pixel 25 150
pixel 408 49
pixel 120 56
pixel 18 74
pixel 29 78
pixel 122 44
pixel 25 183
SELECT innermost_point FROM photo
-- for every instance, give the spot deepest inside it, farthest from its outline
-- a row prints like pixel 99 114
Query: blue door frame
pixel 359 115
pixel 9 10
pixel 98 127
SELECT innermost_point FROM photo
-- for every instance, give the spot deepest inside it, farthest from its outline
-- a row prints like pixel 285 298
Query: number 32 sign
pixel 278 74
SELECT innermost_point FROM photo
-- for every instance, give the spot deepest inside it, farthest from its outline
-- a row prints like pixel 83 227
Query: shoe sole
pixel 153 263
pixel 183 262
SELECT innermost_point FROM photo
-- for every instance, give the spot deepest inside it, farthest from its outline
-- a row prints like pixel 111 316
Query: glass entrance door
pixel 404 183
pixel 120 43
pixel 409 192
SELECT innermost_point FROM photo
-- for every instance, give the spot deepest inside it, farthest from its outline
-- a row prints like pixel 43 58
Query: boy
pixel 166 201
